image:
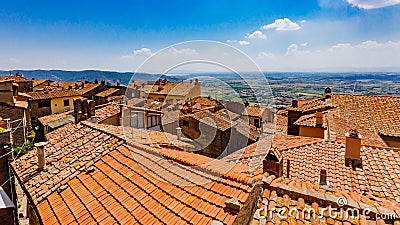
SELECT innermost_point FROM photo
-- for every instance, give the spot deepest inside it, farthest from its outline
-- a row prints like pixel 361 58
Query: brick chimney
pixel 83 109
pixel 295 103
pixel 353 148
pixel 319 120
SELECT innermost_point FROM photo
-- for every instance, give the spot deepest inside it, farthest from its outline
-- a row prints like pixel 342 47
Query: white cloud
pixel 142 51
pixel 304 44
pixel 243 42
pixel 284 24
pixel 292 49
pixel 183 51
pixel 372 4
pixel 256 35
pixel 239 42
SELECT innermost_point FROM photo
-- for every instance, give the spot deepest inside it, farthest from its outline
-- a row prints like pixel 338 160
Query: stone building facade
pixel 7 207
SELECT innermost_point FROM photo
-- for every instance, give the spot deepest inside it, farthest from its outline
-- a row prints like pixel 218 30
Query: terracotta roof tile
pixel 308 159
pixel 256 111
pixel 15 78
pixel 38 82
pixel 40 95
pixel 300 198
pixel 94 176
pixel 106 111
pixel 380 114
pixel 107 92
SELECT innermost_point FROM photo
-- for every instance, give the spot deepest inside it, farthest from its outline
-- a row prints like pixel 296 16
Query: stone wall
pixel 14 113
pixel 245 215
pixel 37 111
pixel 218 143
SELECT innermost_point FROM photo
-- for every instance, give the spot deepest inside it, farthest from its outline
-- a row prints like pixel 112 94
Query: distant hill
pixel 91 75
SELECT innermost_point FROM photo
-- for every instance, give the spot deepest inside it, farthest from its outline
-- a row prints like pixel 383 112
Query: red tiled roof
pixel 379 172
pixel 310 105
pixel 255 111
pixel 281 122
pixel 95 177
pixel 40 95
pixel 75 85
pixel 15 78
pixel 106 111
pixel 151 138
pixel 253 154
pixel 380 114
pixel 38 82
pixel 107 92
pixel 50 118
pixel 222 123
pixel 293 201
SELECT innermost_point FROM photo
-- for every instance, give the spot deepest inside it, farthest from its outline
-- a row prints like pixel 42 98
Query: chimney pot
pixel 328 90
pixel 179 133
pixel 41 155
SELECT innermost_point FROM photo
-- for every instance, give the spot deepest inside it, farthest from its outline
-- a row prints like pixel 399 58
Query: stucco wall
pixel 317 132
pixel 57 104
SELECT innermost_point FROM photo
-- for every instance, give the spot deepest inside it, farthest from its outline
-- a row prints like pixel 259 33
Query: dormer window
pixel 323 177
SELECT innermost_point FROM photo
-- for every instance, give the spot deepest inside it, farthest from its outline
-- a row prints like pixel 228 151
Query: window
pixel 186 123
pixel 257 123
pixel 44 103
pixel 288 168
pixel 66 102
pixel 323 178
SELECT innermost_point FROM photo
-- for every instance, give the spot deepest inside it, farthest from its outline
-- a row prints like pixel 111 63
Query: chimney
pixel 85 107
pixel 328 90
pixel 295 103
pixel 77 110
pixel 319 120
pixel 353 148
pixel 91 108
pixel 96 81
pixel 179 133
pixel 41 155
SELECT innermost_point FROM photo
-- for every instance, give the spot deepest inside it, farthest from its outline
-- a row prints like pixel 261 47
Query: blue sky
pixel 279 35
